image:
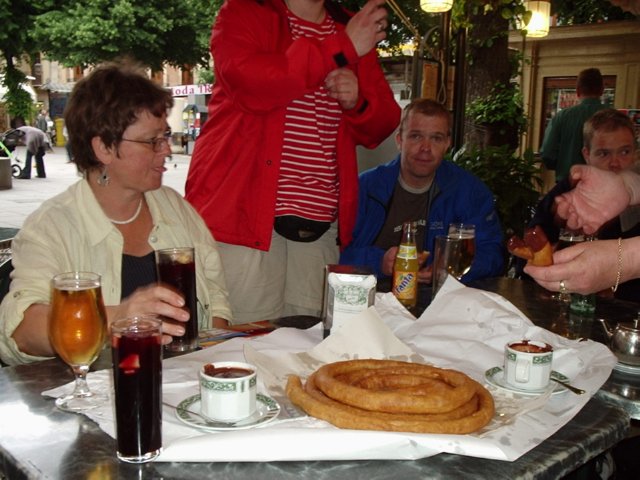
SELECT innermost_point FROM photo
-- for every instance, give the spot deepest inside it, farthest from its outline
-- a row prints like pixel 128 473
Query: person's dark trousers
pixel 40 163
pixel 26 171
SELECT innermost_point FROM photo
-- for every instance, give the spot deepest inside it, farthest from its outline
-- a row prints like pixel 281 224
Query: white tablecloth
pixel 465 329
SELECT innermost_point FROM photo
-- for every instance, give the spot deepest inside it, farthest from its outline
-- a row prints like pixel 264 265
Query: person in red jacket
pixel 274 171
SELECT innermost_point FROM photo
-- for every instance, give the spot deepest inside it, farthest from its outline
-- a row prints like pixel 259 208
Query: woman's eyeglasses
pixel 157 143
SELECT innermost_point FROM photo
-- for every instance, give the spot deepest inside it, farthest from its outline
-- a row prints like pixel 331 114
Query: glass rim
pixel 76 280
pixel 148 322
pixel 77 274
pixel 175 249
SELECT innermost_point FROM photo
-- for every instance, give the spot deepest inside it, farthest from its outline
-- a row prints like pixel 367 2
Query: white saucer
pixel 495 377
pixel 267 409
pixel 625 368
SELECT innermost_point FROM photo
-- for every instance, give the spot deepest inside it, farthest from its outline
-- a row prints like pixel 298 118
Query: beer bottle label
pixel 407 251
pixel 405 285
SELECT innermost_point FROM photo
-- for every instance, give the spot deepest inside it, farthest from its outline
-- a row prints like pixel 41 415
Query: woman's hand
pixel 585 268
pixel 342 85
pixel 154 300
pixel 598 196
pixel 367 27
pixel 219 322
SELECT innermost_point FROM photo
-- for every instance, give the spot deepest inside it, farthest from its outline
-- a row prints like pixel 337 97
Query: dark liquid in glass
pixel 182 276
pixel 137 367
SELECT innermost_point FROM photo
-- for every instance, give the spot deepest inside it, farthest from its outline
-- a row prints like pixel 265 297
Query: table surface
pixel 39 441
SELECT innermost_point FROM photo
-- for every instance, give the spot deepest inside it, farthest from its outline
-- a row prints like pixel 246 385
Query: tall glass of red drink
pixel 136 344
pixel 177 269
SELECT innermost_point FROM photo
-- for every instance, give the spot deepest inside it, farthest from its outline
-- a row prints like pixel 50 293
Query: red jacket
pixel 259 70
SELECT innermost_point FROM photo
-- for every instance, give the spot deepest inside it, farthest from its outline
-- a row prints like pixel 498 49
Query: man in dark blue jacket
pixel 419 186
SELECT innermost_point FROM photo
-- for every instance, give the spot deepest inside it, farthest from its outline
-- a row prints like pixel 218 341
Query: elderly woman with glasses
pixel 112 220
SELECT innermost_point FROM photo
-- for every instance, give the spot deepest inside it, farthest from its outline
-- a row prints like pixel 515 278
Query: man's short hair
pixel 427 107
pixel 606 120
pixel 590 82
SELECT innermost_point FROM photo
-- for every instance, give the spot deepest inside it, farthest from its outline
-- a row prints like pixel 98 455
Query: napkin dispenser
pixel 348 290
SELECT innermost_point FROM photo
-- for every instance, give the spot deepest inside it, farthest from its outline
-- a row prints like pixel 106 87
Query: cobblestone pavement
pixel 25 196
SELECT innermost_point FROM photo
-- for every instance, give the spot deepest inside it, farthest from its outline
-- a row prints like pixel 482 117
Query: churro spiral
pixel 393 396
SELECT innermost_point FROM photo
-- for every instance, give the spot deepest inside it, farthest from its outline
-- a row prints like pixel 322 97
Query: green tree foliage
pixel 17 19
pixel 577 12
pixel 153 32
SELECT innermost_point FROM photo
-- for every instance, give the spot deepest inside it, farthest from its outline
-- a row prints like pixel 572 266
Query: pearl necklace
pixel 125 222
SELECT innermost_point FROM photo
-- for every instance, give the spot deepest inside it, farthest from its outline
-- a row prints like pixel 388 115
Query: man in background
pixel 609 144
pixel 419 185
pixel 562 144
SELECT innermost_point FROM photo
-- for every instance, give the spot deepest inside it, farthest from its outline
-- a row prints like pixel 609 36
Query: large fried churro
pixel 428 389
pixel 455 388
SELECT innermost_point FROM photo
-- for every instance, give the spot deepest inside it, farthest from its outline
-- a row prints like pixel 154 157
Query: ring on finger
pixel 563 287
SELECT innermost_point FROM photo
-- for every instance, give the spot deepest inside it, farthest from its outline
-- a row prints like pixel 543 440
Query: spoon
pixel 577 391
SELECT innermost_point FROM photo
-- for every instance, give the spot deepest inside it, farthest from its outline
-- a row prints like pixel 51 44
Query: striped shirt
pixel 308 184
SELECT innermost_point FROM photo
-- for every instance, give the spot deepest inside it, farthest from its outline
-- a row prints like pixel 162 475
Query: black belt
pixel 300 229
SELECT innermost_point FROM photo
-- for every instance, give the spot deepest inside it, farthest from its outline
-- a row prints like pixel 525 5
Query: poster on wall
pixel 634 115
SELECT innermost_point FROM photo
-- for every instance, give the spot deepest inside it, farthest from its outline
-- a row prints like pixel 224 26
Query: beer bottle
pixel 405 269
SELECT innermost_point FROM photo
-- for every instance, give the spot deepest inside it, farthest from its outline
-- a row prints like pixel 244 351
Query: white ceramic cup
pixel 228 393
pixel 527 364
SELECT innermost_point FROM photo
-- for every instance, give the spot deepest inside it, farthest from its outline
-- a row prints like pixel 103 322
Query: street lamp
pixel 436 6
pixel 538 26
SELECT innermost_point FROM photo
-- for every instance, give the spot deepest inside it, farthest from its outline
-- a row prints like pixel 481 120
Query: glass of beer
pixel 136 350
pixel 464 250
pixel 177 269
pixel 77 329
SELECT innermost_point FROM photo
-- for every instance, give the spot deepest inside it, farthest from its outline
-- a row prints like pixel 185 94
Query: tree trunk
pixel 488 64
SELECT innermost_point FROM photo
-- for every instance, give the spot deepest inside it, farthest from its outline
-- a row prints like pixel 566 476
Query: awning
pixel 192 107
pixel 57 87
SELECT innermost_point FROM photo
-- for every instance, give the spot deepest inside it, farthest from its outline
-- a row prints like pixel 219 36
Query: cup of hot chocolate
pixel 227 391
pixel 527 364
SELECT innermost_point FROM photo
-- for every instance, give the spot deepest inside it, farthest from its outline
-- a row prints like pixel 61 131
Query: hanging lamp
pixel 538 26
pixel 436 6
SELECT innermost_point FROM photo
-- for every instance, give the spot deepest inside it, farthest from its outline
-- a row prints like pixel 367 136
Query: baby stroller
pixel 8 142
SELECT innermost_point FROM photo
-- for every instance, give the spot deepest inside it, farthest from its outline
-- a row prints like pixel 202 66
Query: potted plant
pixel 514 180
pixel 500 115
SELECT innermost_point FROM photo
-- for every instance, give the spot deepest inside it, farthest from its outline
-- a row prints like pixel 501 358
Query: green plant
pixel 18 100
pixel 515 182
pixel 205 75
pixel 502 105
pixel 513 11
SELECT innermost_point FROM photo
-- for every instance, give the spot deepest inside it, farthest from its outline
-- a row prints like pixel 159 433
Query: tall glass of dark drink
pixel 136 345
pixel 177 269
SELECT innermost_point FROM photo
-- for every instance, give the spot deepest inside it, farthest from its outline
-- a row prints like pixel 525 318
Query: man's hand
pixel 388 261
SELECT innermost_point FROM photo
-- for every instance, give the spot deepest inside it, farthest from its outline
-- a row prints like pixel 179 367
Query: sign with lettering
pixel 185 90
